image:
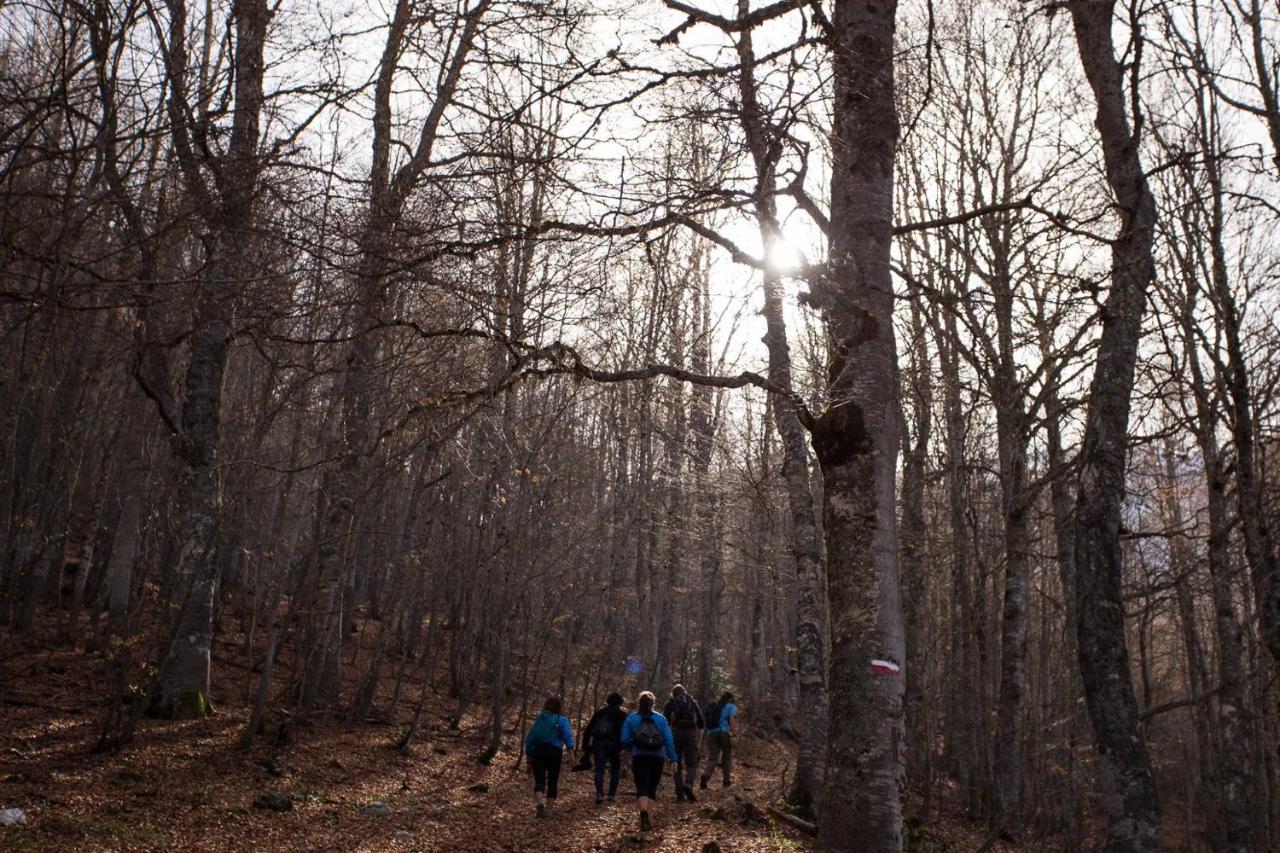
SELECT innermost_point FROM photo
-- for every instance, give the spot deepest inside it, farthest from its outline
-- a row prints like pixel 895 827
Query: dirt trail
pixel 183 786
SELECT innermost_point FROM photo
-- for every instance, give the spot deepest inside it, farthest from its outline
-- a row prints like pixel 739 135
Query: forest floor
pixel 185 786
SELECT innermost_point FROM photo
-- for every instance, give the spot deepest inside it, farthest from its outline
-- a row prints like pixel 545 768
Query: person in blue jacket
pixel 720 716
pixel 648 737
pixel 544 744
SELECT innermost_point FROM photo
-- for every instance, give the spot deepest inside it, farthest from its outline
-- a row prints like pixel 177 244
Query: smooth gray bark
pixel 184 673
pixel 857 440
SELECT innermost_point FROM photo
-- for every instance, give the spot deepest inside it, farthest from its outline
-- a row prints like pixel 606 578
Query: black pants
pixel 719 754
pixel 648 772
pixel 607 753
pixel 687 755
pixel 545 761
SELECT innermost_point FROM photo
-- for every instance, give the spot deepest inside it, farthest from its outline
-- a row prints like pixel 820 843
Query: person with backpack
pixel 544 744
pixel 648 736
pixel 720 715
pixel 685 717
pixel 604 738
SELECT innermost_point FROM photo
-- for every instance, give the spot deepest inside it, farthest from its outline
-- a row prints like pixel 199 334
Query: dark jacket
pixel 669 711
pixel 615 715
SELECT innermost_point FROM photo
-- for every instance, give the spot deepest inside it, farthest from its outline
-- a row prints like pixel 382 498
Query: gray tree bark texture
pixel 915 449
pixel 1129 792
pixel 857 440
pixel 184 680
pixel 806 544
pixel 1235 831
pixel 1013 436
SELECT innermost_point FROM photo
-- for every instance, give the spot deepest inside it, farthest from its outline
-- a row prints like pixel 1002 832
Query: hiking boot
pixel 688 795
pixel 703 783
pixel 679 795
pixel 599 801
pixel 645 825
pixel 542 810
pixel 726 784
pixel 613 800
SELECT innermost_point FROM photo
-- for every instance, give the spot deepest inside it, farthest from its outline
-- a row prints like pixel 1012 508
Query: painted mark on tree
pixel 885 667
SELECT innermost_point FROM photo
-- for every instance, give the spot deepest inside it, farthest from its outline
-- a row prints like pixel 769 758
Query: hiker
pixel 720 715
pixel 544 744
pixel 648 736
pixel 603 739
pixel 685 717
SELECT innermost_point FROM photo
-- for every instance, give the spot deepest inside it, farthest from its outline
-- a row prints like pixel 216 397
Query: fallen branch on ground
pixel 798 823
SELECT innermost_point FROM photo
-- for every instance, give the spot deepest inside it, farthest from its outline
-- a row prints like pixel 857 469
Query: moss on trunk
pixel 193 705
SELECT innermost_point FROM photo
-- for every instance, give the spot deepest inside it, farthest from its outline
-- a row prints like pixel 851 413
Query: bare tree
pixel 1132 802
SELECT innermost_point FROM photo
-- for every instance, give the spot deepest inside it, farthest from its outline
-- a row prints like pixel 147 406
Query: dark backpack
pixel 648 735
pixel 603 729
pixel 545 730
pixel 711 714
pixel 686 715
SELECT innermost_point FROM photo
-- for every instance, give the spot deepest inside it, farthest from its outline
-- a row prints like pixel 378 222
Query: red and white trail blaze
pixel 885 667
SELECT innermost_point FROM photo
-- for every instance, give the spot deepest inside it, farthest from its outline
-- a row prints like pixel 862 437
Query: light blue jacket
pixel 564 734
pixel 727 713
pixel 632 724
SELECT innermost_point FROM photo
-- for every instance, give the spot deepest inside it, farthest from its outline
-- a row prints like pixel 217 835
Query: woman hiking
pixel 720 716
pixel 603 740
pixel 647 735
pixel 544 744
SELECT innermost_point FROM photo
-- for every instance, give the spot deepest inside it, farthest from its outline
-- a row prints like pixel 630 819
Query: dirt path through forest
pixel 183 786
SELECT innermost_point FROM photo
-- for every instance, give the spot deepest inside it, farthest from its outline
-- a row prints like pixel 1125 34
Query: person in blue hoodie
pixel 646 734
pixel 544 744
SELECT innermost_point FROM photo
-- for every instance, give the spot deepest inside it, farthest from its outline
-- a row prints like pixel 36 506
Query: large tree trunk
pixel 184 679
pixel 857 440
pixel 1129 792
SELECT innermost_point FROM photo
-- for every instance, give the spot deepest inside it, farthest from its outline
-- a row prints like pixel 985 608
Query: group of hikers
pixel 650 738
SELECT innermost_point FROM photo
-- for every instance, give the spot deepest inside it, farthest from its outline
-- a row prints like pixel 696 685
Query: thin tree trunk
pixel 914 533
pixel 264 681
pixel 962 743
pixel 1234 765
pixel 1012 436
